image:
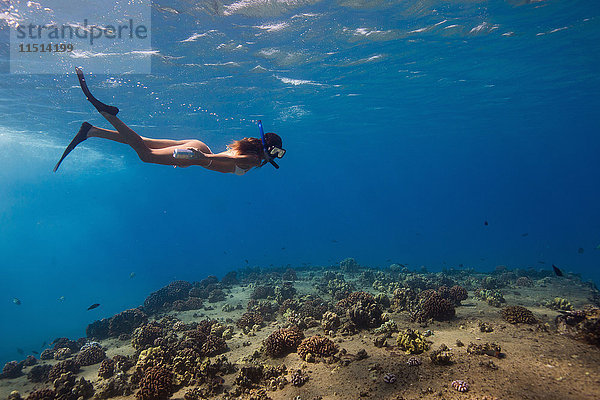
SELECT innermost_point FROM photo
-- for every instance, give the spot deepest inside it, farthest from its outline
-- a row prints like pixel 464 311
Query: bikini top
pixel 240 171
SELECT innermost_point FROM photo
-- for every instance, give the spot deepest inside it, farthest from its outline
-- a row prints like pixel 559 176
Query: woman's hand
pixel 198 155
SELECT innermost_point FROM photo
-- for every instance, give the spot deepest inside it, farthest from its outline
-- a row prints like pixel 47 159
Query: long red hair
pixel 254 145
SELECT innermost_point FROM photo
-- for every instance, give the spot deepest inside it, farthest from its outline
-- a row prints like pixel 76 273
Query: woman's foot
pixel 80 137
pixel 101 107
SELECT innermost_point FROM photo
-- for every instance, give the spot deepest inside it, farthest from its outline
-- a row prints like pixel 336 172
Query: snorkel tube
pixel 268 157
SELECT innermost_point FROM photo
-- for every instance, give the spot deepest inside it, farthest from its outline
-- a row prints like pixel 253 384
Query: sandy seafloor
pixel 537 361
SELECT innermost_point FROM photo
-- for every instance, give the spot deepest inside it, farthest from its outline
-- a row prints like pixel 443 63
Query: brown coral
pixel 283 341
pixel 162 299
pixel 156 384
pixel 145 335
pixel 435 307
pixel 62 368
pixel 42 394
pixel 518 315
pixel 249 319
pixel 107 368
pixel 90 355
pixel 318 346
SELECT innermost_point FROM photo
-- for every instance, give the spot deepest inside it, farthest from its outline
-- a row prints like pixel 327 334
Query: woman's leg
pixel 147 154
pixel 151 143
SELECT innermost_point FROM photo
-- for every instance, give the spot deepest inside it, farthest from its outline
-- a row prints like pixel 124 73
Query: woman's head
pixel 254 146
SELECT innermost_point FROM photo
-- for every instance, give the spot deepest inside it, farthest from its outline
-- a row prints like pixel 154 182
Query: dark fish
pixel 34 352
pixel 246 261
pixel 388 260
pixel 524 234
pixel 333 241
pixel 460 265
pixel 96 305
pixel 580 250
pixel 541 262
pixel 485 223
pixel 16 301
pixel 44 344
pixel 283 248
pixel 20 351
pixel 557 271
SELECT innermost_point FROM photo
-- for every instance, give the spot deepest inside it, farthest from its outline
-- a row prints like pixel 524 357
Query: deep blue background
pixel 400 145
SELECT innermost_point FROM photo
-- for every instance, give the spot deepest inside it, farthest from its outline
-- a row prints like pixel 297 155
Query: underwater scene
pixel 299 199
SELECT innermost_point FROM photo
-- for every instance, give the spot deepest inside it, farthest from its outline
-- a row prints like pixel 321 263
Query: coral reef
pixel 162 298
pixel 298 378
pixel 156 384
pixel 145 335
pixel 493 297
pixel 62 368
pixel 317 346
pixel 117 385
pixel 62 354
pixel 39 373
pixel 67 387
pixel 191 303
pixel 518 315
pixel 485 327
pixel 42 394
pixel 362 309
pixel 90 355
pixel 282 341
pixel 441 356
pixel 412 341
pixel 490 349
pixel 11 369
pixel 582 325
pixel 405 299
pixel 558 303
pixel 47 354
pixel 387 328
pixel 125 322
pixel 284 292
pixel 434 306
pixel 330 321
pixel 262 292
pixel 524 281
pixel 106 369
pixel 248 320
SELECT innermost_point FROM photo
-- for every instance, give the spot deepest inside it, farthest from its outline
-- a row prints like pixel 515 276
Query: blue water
pixel 407 124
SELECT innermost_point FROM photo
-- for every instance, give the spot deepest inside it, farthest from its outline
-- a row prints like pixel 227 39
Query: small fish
pixel 43 345
pixel 34 352
pixel 557 271
pixel 246 261
pixel 485 223
pixel 598 247
pixel 95 305
pixel 524 234
pixel 20 351
pixel 132 275
pixel 16 301
pixel 541 262
pixel 580 250
pixel 335 241
pixel 283 248
pixel 61 298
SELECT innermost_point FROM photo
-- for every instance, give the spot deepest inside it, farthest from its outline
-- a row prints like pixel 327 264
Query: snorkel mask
pixel 270 152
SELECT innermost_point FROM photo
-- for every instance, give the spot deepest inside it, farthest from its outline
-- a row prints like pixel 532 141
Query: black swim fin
pixel 80 137
pixel 100 106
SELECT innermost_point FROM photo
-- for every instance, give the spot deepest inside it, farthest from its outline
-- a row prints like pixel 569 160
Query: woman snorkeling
pixel 239 158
